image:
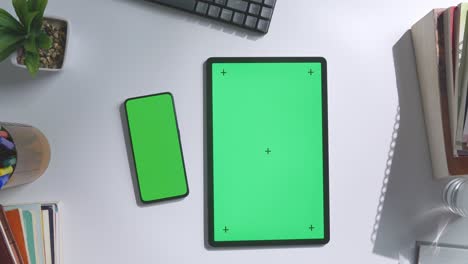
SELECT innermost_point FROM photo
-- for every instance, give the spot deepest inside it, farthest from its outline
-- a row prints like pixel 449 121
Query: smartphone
pixel 156 147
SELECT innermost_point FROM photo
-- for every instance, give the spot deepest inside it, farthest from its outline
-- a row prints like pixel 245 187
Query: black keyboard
pixel 250 14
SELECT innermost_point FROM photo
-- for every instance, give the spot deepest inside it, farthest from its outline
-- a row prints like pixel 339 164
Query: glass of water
pixel 455 196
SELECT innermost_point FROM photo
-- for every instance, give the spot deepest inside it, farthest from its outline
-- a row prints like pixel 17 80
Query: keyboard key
pixel 251 21
pixel 270 3
pixel 226 14
pixel 254 9
pixel 237 5
pixel 201 8
pixel 263 25
pixel 267 12
pixel 238 18
pixel 251 14
pixel 214 11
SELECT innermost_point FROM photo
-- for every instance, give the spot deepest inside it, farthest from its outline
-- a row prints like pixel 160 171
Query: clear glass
pixel 455 196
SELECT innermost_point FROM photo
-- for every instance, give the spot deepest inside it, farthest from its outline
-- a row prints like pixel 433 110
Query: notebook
pixel 36 217
pixel 9 250
pixel 40 223
pixel 52 233
pixel 28 228
pixel 15 220
pixel 429 254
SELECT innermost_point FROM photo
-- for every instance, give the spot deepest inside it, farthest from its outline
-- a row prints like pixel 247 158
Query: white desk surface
pixel 125 48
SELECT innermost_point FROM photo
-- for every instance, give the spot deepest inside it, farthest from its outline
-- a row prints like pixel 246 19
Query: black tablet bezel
pixel 209 145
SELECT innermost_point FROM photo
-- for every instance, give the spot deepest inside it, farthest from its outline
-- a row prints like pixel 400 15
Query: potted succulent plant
pixel 37 42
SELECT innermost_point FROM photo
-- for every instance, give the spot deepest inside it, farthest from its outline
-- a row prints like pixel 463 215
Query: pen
pixel 5 171
pixel 9 162
pixel 4 180
pixel 6 143
pixel 5 153
pixel 3 134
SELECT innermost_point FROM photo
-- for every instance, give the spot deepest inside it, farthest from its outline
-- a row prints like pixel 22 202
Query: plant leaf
pixel 32 62
pixel 21 9
pixel 8 22
pixel 39 6
pixel 30 44
pixel 7 52
pixel 29 19
pixel 8 39
pixel 25 15
pixel 44 41
pixel 8 44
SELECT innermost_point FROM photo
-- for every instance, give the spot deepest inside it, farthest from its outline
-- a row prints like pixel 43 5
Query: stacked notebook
pixel 432 254
pixel 441 46
pixel 30 234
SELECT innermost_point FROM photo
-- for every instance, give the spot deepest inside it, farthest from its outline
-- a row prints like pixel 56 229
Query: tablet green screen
pixel 156 147
pixel 268 153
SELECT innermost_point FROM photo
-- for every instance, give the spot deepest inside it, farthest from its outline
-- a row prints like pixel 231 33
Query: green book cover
pixel 28 225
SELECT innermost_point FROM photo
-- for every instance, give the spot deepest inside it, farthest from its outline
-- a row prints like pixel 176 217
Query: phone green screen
pixel 156 146
pixel 268 153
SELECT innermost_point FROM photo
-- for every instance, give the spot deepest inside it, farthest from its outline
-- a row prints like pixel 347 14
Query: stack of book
pixel 30 234
pixel 440 42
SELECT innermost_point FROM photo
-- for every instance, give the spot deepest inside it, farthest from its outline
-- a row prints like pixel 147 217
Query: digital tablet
pixel 267 144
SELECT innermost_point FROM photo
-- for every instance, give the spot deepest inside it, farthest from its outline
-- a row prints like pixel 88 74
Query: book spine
pixel 11 240
pixel 425 47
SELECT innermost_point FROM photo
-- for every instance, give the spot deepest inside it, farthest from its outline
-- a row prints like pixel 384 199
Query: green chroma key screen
pixel 267 151
pixel 157 151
